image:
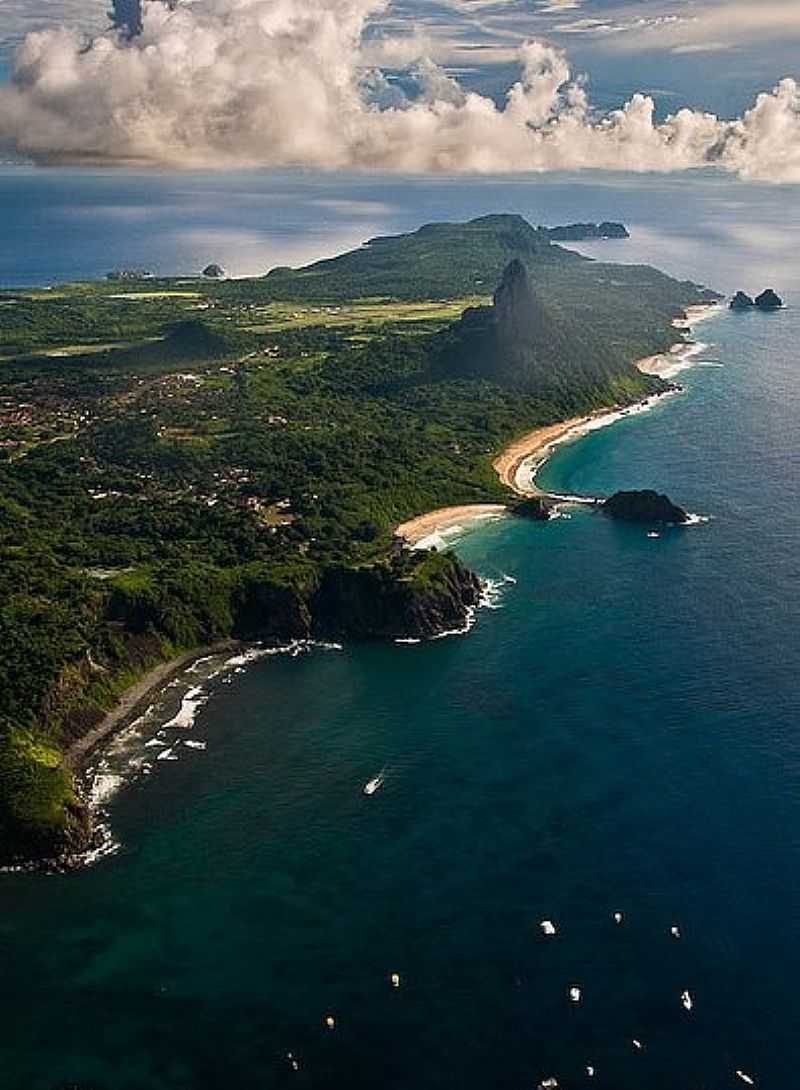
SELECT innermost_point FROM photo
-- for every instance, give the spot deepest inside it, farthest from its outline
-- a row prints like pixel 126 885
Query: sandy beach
pixel 510 465
pixel 666 364
pixel 517 464
pixel 417 530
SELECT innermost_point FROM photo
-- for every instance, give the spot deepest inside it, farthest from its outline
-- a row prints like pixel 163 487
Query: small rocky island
pixel 586 232
pixel 214 271
pixel 767 300
pixel 645 505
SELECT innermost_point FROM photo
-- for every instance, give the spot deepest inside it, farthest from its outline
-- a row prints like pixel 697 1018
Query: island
pixel 588 232
pixel 644 505
pixel 767 300
pixel 186 462
pixel 742 301
pixel 214 271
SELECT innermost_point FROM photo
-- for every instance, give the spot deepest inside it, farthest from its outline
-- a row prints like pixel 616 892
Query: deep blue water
pixel 67 224
pixel 621 735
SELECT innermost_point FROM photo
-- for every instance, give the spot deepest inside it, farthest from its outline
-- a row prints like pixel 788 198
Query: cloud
pixel 225 83
pixel 714 25
pixel 550 7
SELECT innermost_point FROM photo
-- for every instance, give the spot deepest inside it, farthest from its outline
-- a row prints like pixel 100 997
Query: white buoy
pixel 618 917
pixel 745 1078
pixel 675 931
pixel 548 927
pixel 687 1001
pixel 330 1021
pixel 395 979
pixel 575 994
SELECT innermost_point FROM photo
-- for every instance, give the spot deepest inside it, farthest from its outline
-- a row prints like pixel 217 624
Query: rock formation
pixel 742 301
pixel 586 232
pixel 645 505
pixel 769 300
pixel 537 508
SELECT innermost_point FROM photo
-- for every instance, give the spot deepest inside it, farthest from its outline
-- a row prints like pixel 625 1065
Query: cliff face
pixel 521 343
pixel 411 595
pixel 433 597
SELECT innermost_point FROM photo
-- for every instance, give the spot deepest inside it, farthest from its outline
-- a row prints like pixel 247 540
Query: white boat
pixel 745 1078
pixel 195 745
pixel 548 927
pixel 167 755
pixel 687 1001
pixel 654 533
pixel 375 784
pixel 575 995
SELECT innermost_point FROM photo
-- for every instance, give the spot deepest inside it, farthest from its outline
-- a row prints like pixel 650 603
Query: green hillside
pixel 183 461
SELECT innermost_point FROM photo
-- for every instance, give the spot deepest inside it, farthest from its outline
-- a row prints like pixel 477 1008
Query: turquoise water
pixel 621 734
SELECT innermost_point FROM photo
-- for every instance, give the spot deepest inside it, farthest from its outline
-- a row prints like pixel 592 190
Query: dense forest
pixel 184 461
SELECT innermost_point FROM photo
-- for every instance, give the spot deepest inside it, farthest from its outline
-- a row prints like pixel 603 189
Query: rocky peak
pixel 514 290
pixel 741 301
pixel 769 300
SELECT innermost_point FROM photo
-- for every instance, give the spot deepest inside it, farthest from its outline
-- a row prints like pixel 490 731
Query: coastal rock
pixel 585 232
pixel 537 508
pixel 742 301
pixel 645 505
pixel 214 272
pixel 769 300
pixel 417 596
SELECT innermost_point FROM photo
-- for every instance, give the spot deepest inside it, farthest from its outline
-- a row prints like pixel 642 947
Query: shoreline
pixel 417 531
pixel 527 454
pixel 523 456
pixel 134 699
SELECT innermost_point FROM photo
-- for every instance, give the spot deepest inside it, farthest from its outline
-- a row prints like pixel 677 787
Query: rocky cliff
pixel 407 595
pixel 644 505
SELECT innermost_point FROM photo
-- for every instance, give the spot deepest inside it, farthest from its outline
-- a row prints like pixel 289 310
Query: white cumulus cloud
pixel 284 82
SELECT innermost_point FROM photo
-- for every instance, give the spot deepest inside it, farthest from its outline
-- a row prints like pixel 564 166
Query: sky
pixel 441 64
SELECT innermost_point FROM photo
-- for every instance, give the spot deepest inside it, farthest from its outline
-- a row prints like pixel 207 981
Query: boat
pixel 373 785
pixel 687 1001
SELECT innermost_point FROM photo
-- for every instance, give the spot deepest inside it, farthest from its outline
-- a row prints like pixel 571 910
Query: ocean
pixel 617 733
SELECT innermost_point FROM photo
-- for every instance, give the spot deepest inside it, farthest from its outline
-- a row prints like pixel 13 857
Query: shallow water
pixel 620 735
